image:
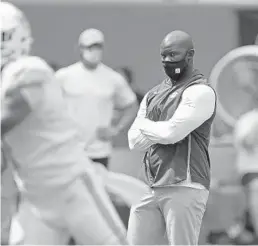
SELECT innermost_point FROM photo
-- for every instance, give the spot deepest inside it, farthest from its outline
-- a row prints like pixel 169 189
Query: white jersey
pixel 45 148
pixel 92 96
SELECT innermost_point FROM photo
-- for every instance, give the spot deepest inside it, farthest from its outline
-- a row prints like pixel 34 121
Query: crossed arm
pixel 197 106
pixel 18 100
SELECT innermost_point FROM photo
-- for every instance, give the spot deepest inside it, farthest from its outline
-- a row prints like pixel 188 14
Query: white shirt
pixel 197 106
pixel 92 96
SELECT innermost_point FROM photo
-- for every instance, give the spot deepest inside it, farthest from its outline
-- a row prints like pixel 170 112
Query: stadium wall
pixel 133 33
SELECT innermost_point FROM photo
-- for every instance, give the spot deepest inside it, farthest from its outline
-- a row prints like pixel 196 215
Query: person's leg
pixel 250 185
pixel 37 230
pixel 90 216
pixel 183 209
pixel 103 162
pixel 146 223
pixel 121 207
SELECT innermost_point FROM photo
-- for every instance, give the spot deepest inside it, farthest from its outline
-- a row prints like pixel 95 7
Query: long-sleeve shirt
pixel 197 105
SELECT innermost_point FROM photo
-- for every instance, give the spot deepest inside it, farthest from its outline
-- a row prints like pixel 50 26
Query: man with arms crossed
pixel 173 128
pixel 61 196
pixel 246 137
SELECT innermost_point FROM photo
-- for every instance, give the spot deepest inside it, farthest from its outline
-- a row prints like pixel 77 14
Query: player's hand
pixel 106 134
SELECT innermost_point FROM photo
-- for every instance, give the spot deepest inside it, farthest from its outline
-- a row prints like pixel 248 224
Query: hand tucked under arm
pixel 136 139
pixel 197 106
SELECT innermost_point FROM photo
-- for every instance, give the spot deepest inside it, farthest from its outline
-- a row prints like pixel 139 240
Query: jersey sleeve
pixel 27 77
pixel 124 95
pixel 23 85
pixel 14 109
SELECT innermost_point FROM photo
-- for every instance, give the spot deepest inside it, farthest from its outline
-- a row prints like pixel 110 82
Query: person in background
pixel 173 129
pixel 100 101
pixel 246 140
pixel 94 92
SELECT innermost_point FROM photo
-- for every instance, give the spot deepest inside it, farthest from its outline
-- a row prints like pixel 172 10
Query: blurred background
pixel 133 32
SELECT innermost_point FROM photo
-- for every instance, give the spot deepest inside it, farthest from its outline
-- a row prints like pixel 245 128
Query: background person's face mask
pixel 92 56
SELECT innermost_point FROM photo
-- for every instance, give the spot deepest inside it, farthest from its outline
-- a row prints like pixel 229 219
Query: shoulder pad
pixel 25 71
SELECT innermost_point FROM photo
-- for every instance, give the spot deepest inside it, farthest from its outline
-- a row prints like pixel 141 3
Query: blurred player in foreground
pixel 61 195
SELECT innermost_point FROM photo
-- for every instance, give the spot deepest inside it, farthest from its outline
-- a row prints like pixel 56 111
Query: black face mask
pixel 174 70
